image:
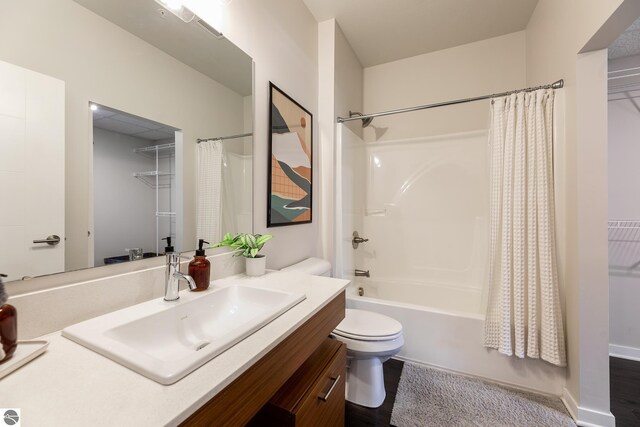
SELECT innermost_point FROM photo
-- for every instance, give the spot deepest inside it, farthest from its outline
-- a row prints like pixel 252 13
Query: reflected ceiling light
pixel 93 107
pixel 178 8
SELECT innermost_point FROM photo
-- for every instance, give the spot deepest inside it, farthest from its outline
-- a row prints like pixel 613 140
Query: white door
pixel 32 139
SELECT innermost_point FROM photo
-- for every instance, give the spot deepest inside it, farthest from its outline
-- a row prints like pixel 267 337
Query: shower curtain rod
pixel 555 85
pixel 220 138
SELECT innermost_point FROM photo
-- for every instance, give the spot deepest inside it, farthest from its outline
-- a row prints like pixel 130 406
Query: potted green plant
pixel 248 245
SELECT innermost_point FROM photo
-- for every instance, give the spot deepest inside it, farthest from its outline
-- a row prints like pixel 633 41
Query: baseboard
pixel 623 352
pixel 586 417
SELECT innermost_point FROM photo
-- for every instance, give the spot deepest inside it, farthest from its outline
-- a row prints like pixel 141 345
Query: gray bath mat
pixel 428 397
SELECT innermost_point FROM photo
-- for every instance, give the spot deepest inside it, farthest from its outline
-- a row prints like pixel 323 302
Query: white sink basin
pixel 165 341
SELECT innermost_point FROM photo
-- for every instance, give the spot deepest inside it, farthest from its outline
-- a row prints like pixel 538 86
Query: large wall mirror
pixel 120 125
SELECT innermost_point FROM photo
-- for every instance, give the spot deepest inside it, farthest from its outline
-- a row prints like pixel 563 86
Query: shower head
pixel 365 122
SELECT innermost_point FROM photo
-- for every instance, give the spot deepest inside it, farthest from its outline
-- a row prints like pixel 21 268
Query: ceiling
pixel 217 58
pixel 128 124
pixel 628 43
pixel 381 31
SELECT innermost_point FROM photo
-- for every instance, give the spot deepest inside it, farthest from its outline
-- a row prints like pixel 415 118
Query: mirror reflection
pixel 103 106
pixel 133 166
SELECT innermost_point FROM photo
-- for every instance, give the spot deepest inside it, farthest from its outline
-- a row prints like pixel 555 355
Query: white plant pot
pixel 256 266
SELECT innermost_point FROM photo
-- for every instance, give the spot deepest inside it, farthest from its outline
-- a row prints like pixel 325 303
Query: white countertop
pixel 70 385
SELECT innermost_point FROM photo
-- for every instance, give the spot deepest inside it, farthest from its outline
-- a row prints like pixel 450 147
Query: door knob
pixel 50 240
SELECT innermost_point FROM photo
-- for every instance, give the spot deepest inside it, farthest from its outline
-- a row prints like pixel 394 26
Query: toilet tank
pixel 313 266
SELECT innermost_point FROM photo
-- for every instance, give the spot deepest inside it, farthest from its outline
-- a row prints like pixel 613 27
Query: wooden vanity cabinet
pixel 314 395
pixel 241 400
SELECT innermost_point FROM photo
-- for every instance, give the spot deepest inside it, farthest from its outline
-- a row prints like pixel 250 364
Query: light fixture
pixel 93 107
pixel 178 9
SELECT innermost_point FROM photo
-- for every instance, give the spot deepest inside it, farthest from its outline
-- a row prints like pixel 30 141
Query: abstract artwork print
pixel 290 162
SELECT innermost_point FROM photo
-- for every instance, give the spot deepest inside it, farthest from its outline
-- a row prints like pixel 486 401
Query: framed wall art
pixel 290 161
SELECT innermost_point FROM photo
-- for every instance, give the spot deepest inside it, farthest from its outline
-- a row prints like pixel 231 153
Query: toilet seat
pixel 368 333
pixel 368 326
pixel 368 349
pixel 366 337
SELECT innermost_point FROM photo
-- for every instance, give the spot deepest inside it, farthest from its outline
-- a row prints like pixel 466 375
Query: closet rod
pixel 556 85
pixel 220 138
pixel 624 77
pixel 624 70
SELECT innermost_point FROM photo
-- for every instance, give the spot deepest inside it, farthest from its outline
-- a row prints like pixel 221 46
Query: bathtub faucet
pixel 362 273
pixel 357 240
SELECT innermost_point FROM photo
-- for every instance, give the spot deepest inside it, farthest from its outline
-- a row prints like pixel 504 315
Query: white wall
pixel 475 69
pixel 282 38
pixel 340 85
pixel 349 81
pixel 426 215
pixel 624 152
pixel 556 33
pixel 427 147
pixel 327 139
pixel 624 204
pixel 124 207
pixel 351 178
pixel 60 41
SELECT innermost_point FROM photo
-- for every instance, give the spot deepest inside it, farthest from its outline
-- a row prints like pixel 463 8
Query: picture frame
pixel 290 173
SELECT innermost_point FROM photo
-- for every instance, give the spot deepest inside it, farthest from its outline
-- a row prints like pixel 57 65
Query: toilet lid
pixel 367 324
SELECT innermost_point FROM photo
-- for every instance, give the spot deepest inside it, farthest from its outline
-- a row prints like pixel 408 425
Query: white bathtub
pixel 450 299
pixel 451 339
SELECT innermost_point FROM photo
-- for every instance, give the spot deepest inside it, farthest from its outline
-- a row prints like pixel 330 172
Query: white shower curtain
pixel 524 315
pixel 209 191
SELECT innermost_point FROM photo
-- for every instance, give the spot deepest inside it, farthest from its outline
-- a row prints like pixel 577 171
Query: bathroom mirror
pixel 136 61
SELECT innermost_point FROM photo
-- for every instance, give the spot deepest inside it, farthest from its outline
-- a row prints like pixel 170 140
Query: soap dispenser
pixel 8 326
pixel 168 249
pixel 200 268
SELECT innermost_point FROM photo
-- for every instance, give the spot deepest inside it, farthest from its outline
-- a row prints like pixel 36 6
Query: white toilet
pixel 371 339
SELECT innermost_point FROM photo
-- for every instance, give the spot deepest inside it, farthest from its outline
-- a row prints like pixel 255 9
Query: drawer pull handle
pixel 328 393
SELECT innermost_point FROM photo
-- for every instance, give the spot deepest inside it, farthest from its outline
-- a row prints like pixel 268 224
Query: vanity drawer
pixel 314 395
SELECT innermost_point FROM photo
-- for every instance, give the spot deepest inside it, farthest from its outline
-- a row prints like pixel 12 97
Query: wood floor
pixel 358 416
pixel 625 391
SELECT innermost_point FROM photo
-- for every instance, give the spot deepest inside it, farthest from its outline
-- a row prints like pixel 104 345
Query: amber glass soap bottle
pixel 8 326
pixel 200 268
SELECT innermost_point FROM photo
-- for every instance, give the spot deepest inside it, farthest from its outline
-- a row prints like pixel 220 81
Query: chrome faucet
pixel 173 277
pixel 362 273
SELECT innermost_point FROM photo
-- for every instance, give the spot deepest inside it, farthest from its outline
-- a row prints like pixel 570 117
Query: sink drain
pixel 202 345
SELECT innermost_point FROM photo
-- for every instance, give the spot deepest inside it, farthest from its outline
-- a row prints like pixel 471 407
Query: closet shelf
pixel 155 179
pixel 624 240
pixel 160 151
pixel 618 224
pixel 152 173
